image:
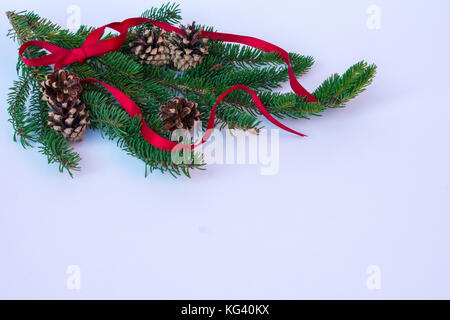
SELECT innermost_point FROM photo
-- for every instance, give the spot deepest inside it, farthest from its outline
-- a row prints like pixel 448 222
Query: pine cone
pixel 179 113
pixel 67 114
pixel 60 86
pixel 188 50
pixel 151 47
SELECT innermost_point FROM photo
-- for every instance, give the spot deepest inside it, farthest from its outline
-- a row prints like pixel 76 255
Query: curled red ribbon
pixel 93 46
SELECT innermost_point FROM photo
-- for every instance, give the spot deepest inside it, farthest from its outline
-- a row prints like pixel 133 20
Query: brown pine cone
pixel 179 113
pixel 70 122
pixel 151 47
pixel 60 86
pixel 67 115
pixel 188 50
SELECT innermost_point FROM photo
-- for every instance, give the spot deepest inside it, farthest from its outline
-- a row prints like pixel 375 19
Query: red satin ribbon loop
pixel 93 46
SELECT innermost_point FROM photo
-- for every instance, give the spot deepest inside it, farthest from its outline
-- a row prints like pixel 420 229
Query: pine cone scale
pixel 151 47
pixel 188 49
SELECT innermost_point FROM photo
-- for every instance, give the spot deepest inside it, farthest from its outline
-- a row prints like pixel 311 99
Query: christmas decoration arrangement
pixel 150 78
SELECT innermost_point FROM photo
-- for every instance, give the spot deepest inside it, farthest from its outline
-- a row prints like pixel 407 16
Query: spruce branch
pixel 17 99
pixel 169 13
pixel 51 144
pixel 58 151
pixel 116 124
pixel 337 90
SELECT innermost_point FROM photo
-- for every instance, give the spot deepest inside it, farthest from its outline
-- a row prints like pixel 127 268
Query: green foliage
pixel 150 87
pixel 58 151
pixel 116 124
pixel 52 145
pixel 30 124
pixel 169 13
pixel 17 99
pixel 337 90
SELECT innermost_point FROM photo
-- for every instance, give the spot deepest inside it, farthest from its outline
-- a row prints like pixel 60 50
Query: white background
pixel 369 186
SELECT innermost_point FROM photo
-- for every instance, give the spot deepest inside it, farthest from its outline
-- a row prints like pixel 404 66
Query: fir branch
pixel 169 13
pixel 30 124
pixel 337 90
pixel 51 144
pixel 58 151
pixel 242 55
pixel 116 124
pixel 236 119
pixel 263 78
pixel 17 99
pixel 26 26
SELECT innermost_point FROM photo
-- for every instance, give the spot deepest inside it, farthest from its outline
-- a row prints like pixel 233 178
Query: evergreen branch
pixel 26 26
pixel 52 145
pixel 236 119
pixel 116 124
pixel 337 90
pixel 57 150
pixel 169 13
pixel 242 55
pixel 17 99
pixel 227 114
pixel 117 62
pixel 264 78
pixel 30 125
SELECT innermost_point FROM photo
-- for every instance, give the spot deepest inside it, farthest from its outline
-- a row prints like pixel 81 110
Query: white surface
pixel 369 186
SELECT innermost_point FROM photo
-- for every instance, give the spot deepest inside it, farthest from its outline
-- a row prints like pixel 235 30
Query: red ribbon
pixel 93 46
